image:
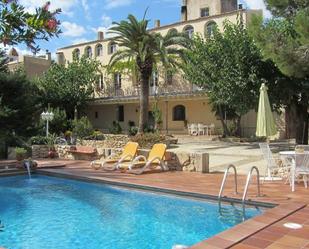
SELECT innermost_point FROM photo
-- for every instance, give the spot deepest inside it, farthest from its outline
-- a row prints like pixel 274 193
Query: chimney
pixel 48 55
pixel 100 35
pixel 184 11
pixel 157 24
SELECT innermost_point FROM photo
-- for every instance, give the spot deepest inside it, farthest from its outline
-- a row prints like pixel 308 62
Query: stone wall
pixel 180 161
pixel 184 161
pixel 39 151
pixel 110 141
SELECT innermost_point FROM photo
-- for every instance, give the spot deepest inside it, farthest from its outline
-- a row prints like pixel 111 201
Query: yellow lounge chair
pixel 155 158
pixel 127 155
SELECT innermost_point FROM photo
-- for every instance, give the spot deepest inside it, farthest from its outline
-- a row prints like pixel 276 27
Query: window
pixel 210 27
pixel 112 48
pixel 169 78
pixel 117 81
pixel 99 50
pixel 76 54
pixel 88 52
pixel 204 12
pixel 99 82
pixel 96 115
pixel 189 30
pixel 179 113
pixel 154 79
pixel 120 113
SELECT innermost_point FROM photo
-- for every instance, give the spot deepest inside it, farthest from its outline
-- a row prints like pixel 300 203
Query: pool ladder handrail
pixel 248 182
pixel 231 166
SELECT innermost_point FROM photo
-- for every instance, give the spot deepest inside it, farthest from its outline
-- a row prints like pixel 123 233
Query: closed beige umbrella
pixel 265 126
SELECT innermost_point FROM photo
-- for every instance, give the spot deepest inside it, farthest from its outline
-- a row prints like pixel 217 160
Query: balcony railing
pixel 131 92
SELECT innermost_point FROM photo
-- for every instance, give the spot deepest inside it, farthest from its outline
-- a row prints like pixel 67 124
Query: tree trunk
pixel 290 117
pixel 238 126
pixel 144 102
pixel 226 131
pixel 297 122
pixel 302 124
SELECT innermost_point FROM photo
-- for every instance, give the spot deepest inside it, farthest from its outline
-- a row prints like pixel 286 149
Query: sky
pixel 82 19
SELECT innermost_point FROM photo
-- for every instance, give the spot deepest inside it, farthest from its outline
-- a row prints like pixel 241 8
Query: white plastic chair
pixel 211 129
pixel 301 165
pixel 272 163
pixel 194 129
pixel 201 129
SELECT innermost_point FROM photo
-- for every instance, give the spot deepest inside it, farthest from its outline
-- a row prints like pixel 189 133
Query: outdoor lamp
pixel 47 116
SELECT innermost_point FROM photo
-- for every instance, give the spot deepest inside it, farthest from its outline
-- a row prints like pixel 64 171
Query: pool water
pixel 49 212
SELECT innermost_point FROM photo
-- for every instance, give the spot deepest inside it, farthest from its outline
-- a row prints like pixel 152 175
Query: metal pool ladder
pixel 231 166
pixel 248 182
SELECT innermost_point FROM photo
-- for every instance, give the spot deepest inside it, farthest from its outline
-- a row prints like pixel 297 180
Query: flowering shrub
pixel 19 26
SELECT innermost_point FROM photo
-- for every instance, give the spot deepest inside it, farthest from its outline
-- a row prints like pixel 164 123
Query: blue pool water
pixel 48 213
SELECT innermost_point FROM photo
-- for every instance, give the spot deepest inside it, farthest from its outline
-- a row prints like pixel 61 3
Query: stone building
pixel 34 66
pixel 117 96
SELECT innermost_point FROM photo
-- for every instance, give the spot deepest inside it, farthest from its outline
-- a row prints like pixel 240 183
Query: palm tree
pixel 147 50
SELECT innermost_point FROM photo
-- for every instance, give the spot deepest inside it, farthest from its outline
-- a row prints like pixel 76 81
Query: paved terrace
pixel 265 231
pixel 221 154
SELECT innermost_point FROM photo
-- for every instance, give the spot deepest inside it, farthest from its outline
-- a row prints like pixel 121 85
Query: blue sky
pixel 81 19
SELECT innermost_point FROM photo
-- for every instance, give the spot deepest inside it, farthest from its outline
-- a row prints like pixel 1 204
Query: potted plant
pixel 20 153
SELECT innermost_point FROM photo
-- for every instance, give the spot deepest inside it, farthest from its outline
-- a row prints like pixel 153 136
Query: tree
pixel 19 108
pixel 3 61
pixel 229 66
pixel 285 40
pixel 18 26
pixel 69 87
pixel 146 50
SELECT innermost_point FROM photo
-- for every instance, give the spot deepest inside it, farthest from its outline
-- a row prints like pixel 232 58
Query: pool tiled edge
pixel 238 233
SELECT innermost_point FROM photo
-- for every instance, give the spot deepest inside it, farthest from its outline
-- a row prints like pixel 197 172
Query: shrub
pixel 133 130
pixel 96 135
pixel 116 128
pixel 82 127
pixel 20 153
pixel 38 140
pixel 147 140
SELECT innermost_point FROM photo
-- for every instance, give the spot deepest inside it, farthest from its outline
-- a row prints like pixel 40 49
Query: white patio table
pixel 291 155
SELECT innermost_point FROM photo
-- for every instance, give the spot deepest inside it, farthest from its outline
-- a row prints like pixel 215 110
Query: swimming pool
pixel 49 212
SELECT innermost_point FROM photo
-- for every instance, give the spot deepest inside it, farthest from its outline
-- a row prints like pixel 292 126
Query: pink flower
pixel 51 24
pixel 46 6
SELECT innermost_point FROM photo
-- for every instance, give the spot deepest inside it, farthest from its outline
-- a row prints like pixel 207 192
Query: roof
pixel 163 27
pixel 13 52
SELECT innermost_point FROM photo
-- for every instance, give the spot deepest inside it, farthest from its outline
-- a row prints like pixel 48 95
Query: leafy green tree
pixel 18 26
pixel 19 108
pixel 285 40
pixel 229 66
pixel 146 50
pixel 69 87
pixel 3 61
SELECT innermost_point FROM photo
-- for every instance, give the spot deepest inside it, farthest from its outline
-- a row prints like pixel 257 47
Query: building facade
pixel 34 66
pixel 117 95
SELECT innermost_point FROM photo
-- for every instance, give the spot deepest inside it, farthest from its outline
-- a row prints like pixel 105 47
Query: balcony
pixel 115 93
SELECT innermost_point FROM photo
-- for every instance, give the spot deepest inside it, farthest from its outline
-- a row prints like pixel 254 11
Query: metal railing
pixel 134 91
pixel 248 182
pixel 231 166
